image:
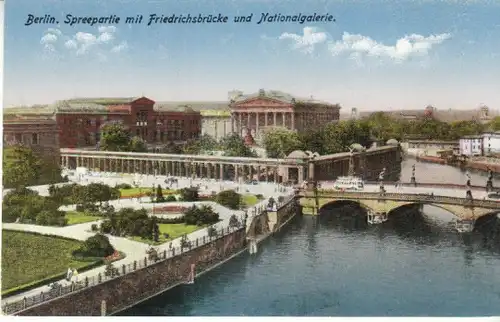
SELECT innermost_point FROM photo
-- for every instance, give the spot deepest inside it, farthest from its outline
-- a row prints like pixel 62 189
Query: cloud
pixel 405 48
pixel 107 29
pixel 121 47
pixel 48 40
pixel 99 43
pixel 306 42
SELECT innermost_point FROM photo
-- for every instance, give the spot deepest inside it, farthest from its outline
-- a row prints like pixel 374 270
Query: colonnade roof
pixel 178 157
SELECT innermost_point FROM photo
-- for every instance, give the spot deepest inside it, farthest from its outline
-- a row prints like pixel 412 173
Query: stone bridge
pixel 376 203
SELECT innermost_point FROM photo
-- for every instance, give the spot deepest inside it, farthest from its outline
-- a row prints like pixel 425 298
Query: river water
pixel 334 265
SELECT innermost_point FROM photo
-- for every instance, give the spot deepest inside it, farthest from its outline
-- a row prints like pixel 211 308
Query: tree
pixel 313 140
pixel 494 125
pixel 156 230
pixel 173 148
pixel 279 143
pixel 189 194
pixel 203 144
pixel 114 137
pixel 340 135
pixel 234 146
pixel 137 144
pixel 95 246
pixel 21 167
pixel 229 199
pixel 159 194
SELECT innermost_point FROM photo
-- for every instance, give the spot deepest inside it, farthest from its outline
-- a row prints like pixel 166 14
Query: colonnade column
pixel 221 172
pixel 293 120
pixel 283 116
pixel 240 124
pixel 257 119
pixel 265 119
pixel 274 119
pixel 300 179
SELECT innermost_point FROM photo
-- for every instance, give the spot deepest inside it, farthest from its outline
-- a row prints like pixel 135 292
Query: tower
pixel 354 113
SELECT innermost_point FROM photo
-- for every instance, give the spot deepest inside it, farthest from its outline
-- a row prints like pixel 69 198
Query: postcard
pixel 212 158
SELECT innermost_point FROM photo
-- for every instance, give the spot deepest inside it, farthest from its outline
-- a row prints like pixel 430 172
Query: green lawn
pixel 76 217
pixel 28 258
pixel 126 193
pixel 174 230
pixel 249 200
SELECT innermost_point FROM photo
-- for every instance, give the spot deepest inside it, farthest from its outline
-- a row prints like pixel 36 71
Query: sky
pixel 372 55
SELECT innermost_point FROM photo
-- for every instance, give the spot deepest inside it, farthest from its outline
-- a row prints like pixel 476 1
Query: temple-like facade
pixel 255 113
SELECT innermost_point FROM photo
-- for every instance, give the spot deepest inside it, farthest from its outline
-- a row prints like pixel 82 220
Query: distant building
pixel 485 144
pixel 79 121
pixel 481 114
pixel 491 143
pixel 39 133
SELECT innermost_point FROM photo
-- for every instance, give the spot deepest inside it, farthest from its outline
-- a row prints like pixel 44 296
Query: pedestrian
pixel 69 274
pixel 75 274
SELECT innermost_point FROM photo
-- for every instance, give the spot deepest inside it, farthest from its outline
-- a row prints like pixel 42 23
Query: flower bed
pixel 116 255
pixel 170 209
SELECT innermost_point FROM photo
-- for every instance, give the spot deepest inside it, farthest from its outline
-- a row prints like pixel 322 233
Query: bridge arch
pixel 346 202
pixel 420 204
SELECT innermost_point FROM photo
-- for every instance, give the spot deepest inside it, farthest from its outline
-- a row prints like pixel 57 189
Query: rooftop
pixel 238 96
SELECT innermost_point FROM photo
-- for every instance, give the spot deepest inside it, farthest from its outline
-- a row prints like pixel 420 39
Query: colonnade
pixel 187 168
pixel 256 120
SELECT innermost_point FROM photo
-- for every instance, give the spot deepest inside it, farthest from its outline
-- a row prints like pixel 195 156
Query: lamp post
pixel 413 180
pixel 489 183
pixel 468 193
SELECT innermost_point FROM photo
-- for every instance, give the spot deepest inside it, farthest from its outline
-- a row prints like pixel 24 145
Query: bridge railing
pixel 405 197
pixel 86 282
pixel 427 185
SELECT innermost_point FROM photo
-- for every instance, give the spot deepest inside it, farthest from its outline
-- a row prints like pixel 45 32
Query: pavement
pixel 137 250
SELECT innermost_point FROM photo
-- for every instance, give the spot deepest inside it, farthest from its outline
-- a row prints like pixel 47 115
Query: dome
pixel 357 147
pixel 312 154
pixel 298 154
pixel 392 142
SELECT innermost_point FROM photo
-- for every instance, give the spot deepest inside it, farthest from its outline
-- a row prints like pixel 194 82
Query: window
pixel 19 138
pixel 34 138
pixel 138 132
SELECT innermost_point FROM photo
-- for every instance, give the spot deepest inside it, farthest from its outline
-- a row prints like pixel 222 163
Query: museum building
pixel 77 122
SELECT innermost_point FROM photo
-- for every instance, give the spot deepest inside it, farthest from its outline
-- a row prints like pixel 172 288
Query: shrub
pixel 95 246
pixel 259 196
pixel 123 186
pixel 200 216
pixel 229 198
pixel 189 194
pixel 170 198
pixel 281 199
pixel 94 227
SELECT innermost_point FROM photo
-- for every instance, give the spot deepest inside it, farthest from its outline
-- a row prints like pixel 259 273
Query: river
pixel 335 265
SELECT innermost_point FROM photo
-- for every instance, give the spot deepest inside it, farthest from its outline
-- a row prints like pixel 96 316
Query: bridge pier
pixel 374 218
pixel 465 225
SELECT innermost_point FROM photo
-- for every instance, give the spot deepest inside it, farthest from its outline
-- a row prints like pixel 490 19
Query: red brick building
pixel 79 121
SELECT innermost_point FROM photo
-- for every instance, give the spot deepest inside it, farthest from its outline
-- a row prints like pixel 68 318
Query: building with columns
pixel 255 113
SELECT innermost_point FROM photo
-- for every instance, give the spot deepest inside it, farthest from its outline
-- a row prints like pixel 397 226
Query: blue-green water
pixel 334 265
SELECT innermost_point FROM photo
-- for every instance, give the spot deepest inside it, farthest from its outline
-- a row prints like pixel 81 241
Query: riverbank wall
pixel 482 167
pixel 142 280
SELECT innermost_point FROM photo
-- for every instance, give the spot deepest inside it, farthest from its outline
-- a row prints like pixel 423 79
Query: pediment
pixel 143 101
pixel 260 101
